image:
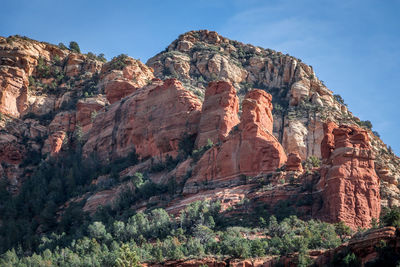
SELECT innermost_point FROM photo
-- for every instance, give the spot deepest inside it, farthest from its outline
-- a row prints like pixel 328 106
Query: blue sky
pixel 353 45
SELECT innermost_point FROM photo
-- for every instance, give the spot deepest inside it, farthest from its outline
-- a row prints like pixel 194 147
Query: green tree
pixel 98 230
pixel 342 230
pixel 62 46
pixel 391 217
pixel 74 47
pixel 127 257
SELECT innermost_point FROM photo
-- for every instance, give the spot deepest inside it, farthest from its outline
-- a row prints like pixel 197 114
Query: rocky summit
pixel 208 119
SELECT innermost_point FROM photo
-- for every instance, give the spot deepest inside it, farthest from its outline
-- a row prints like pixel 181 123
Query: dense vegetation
pixel 156 236
pixel 35 232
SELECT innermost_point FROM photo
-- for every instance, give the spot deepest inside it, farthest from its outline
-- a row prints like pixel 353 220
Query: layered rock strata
pixel 152 120
pixel 348 179
pixel 219 113
pixel 249 150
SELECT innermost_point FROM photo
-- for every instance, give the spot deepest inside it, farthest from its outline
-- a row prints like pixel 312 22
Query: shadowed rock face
pixel 219 113
pixel 56 142
pixel 11 153
pixel 153 120
pixel 350 183
pixel 249 150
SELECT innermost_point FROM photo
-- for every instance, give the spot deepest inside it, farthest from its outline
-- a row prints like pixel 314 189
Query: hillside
pixel 210 139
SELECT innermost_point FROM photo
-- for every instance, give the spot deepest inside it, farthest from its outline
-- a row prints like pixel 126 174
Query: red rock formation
pixel 18 59
pixel 152 120
pixel 79 63
pixel 364 247
pixel 219 113
pixel 56 142
pixel 328 142
pixel 85 109
pixel 349 182
pixel 120 83
pixel 294 163
pixel 63 121
pixel 249 150
pixel 13 90
pixel 11 153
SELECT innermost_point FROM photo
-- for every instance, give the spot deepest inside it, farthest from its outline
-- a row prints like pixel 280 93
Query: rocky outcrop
pixel 219 113
pixel 348 179
pixel 13 90
pixel 131 75
pixel 26 63
pixel 63 121
pixel 249 150
pixel 86 111
pixel 77 64
pixel 56 141
pixel 152 120
pixel 294 163
pixel 11 152
pixel 364 246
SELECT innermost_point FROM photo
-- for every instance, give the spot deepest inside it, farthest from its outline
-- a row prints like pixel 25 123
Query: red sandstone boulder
pixel 294 163
pixel 152 120
pixel 219 113
pixel 119 83
pixel 249 150
pixel 348 179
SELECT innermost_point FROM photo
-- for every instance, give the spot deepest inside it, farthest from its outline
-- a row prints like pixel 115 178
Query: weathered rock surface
pixel 77 64
pixel 152 116
pixel 56 141
pixel 152 120
pixel 19 58
pixel 11 152
pixel 219 113
pixel 250 150
pixel 118 83
pixel 294 163
pixel 349 181
pixel 13 90
pixel 365 247
pixel 86 111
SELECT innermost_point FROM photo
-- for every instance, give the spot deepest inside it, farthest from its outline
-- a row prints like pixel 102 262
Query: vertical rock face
pixel 152 120
pixel 86 110
pixel 219 113
pixel 28 63
pixel 350 183
pixel 249 150
pixel 13 90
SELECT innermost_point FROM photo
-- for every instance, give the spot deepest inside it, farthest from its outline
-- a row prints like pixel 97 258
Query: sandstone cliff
pixel 235 121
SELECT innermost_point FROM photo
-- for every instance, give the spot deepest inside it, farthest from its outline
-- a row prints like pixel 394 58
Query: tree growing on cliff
pixel 74 47
pixel 391 217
